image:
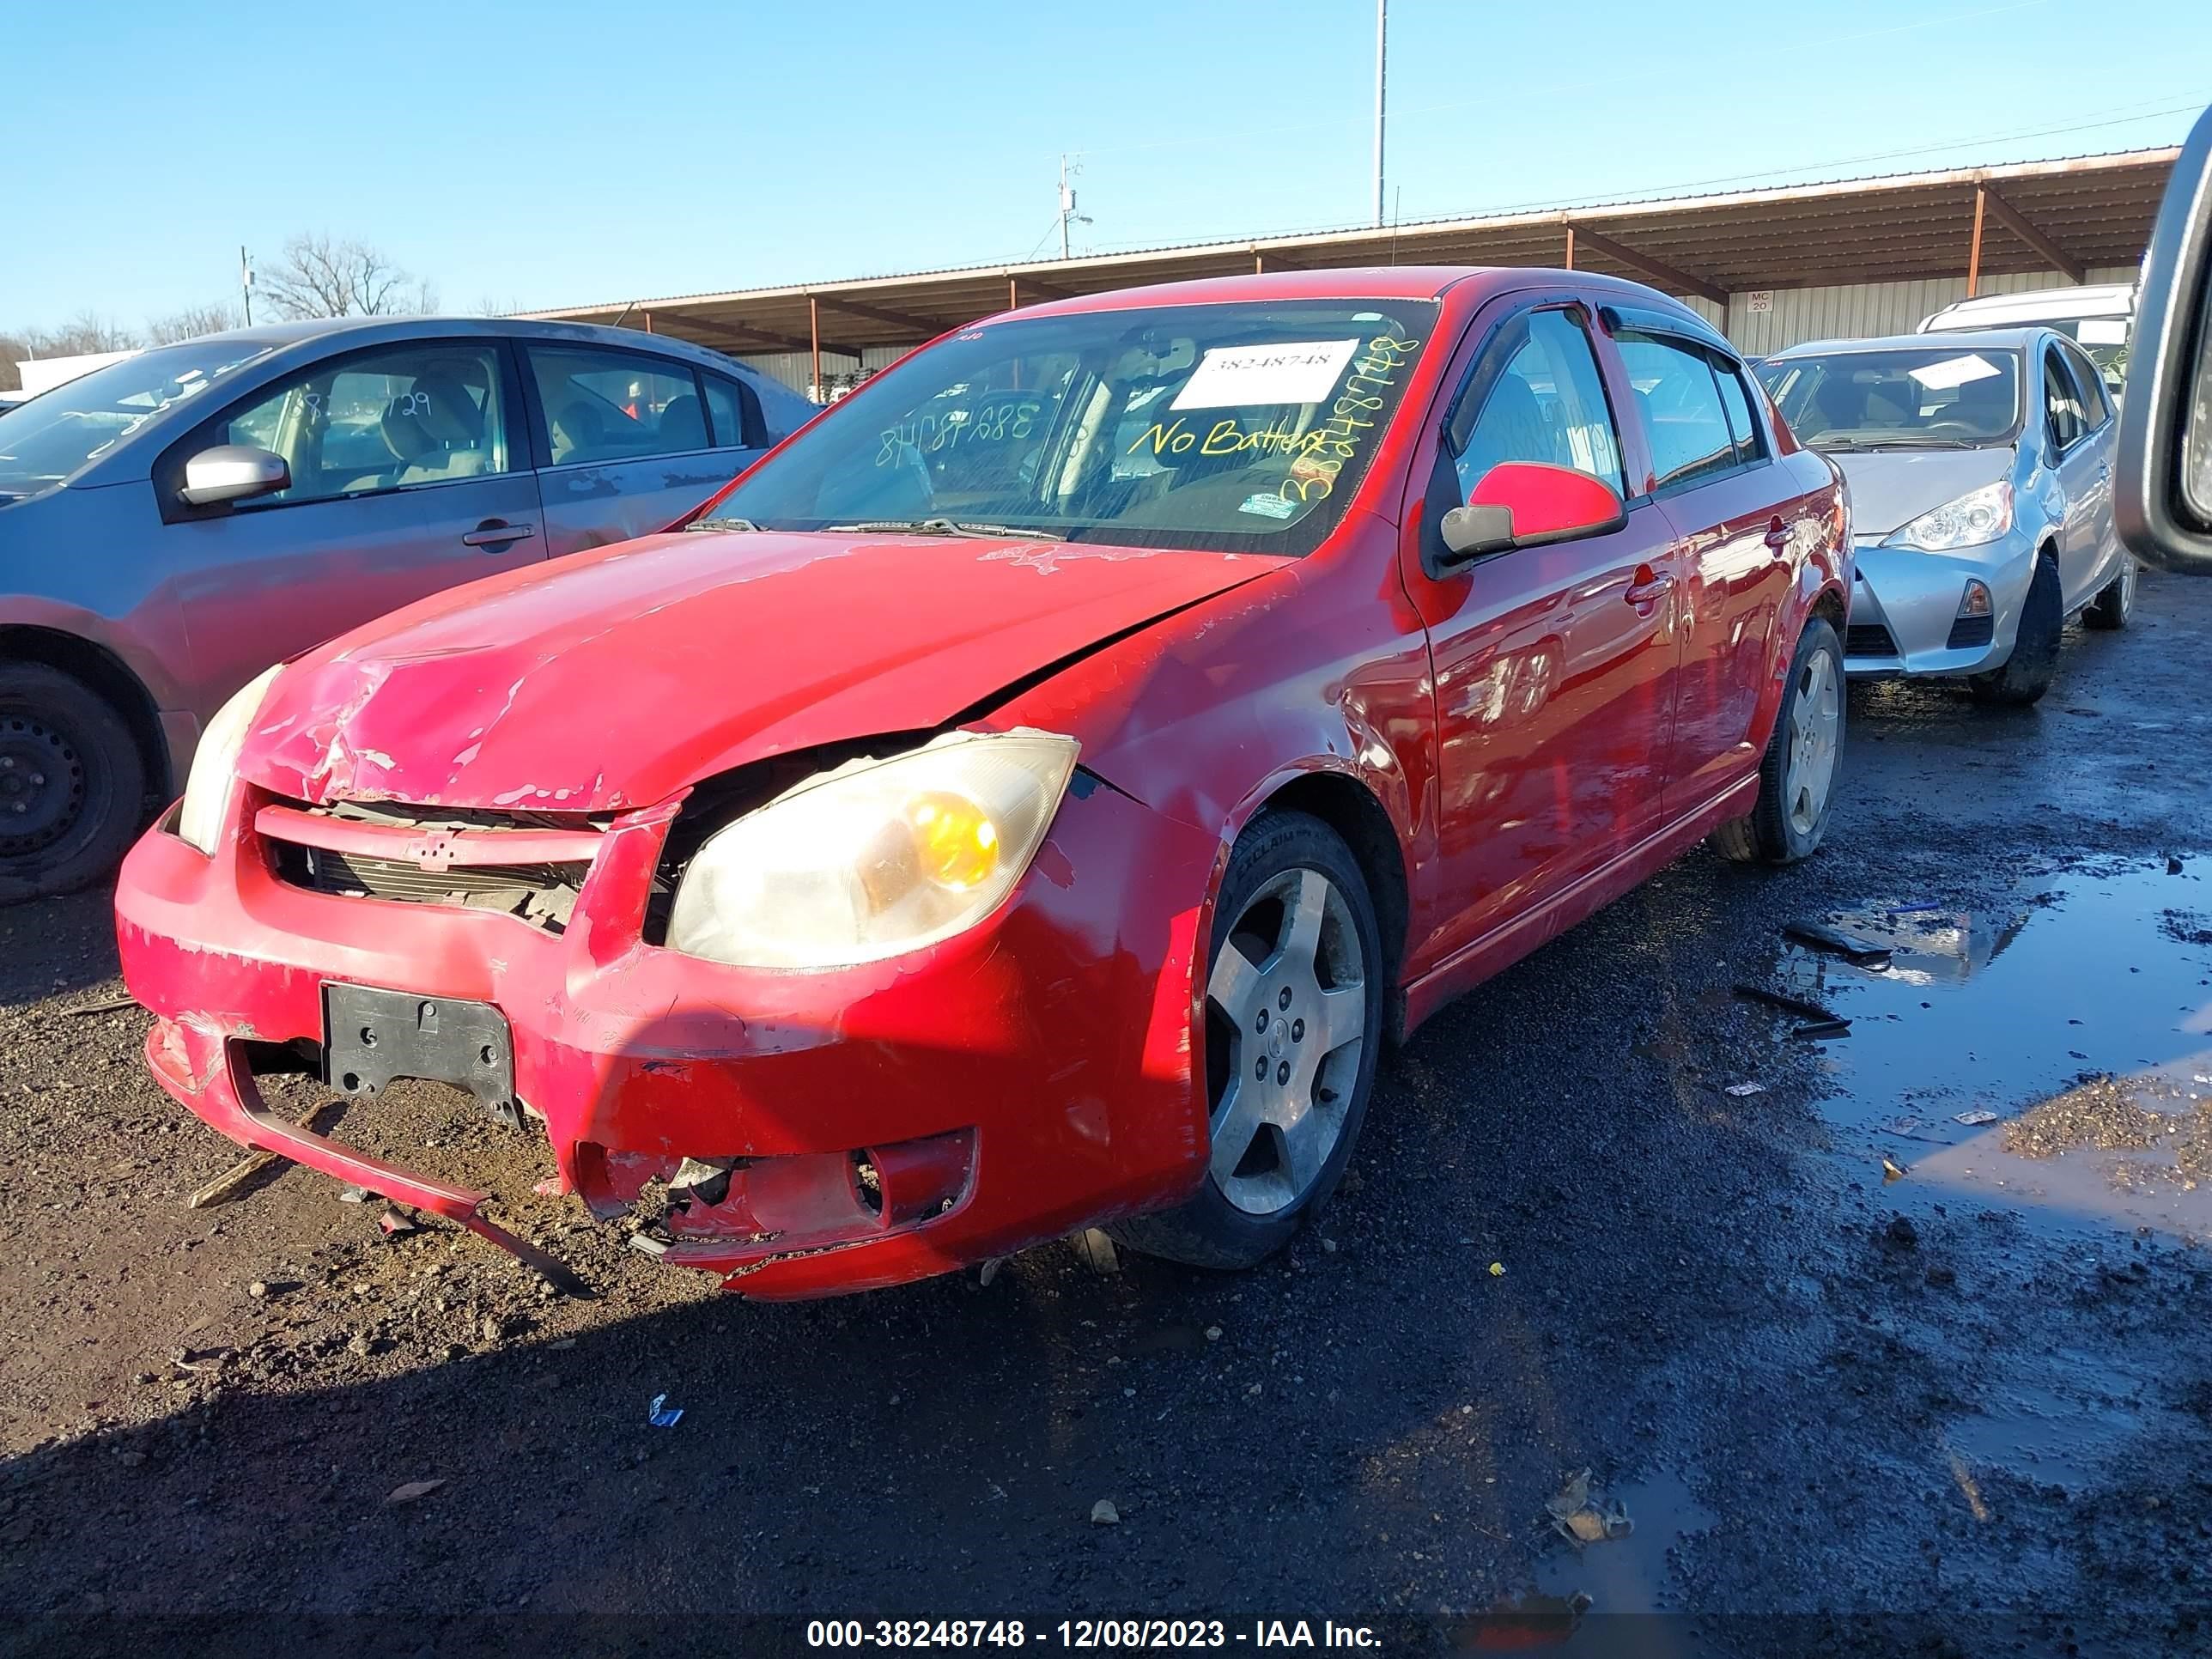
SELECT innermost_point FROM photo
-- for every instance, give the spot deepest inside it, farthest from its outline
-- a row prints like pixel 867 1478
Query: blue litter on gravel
pixel 661 1414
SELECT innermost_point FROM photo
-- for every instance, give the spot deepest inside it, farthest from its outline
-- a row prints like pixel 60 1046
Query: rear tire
pixel 1295 950
pixel 2111 608
pixel 2027 673
pixel 72 783
pixel 1797 774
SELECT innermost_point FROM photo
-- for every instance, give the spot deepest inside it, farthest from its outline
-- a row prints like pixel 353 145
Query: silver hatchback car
pixel 173 524
pixel 1980 467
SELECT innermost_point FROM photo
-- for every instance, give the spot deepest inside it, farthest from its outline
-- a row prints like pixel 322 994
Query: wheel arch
pixel 108 677
pixel 1357 814
pixel 1829 605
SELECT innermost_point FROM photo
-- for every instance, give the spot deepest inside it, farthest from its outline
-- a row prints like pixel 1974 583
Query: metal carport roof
pixel 2067 215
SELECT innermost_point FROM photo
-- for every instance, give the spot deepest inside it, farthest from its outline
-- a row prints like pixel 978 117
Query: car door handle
pixel 1649 588
pixel 1777 535
pixel 494 533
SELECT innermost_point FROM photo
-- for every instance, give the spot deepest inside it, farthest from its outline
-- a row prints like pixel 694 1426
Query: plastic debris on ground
pixel 1824 1023
pixel 1862 953
pixel 662 1415
pixel 1976 1118
pixel 1577 1516
pixel 413 1490
pixel 1745 1091
pixel 1497 1270
pixel 1103 1514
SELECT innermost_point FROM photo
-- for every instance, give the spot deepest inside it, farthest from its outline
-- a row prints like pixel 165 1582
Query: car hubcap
pixel 1287 1001
pixel 41 786
pixel 1816 719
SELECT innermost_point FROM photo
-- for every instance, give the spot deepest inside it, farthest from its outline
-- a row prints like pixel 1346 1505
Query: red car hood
pixel 611 679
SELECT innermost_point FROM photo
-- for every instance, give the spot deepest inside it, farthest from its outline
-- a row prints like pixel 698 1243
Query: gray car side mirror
pixel 234 472
pixel 2162 497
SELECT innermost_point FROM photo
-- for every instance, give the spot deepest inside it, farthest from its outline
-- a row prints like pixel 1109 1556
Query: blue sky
pixel 563 153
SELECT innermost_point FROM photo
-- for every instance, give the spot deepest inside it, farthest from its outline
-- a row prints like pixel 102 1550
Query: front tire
pixel 1797 774
pixel 1293 1025
pixel 2027 673
pixel 2112 607
pixel 72 783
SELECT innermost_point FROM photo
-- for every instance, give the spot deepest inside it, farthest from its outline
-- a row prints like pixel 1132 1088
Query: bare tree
pixel 86 331
pixel 191 323
pixel 319 276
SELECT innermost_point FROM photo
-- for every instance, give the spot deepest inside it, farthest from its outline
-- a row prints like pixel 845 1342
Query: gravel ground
pixel 1865 1376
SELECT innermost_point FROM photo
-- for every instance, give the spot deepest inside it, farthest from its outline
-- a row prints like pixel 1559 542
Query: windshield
pixel 1245 427
pixel 59 432
pixel 1928 397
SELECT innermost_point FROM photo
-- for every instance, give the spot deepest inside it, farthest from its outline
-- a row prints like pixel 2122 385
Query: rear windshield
pixel 1917 398
pixel 1245 426
pixel 60 432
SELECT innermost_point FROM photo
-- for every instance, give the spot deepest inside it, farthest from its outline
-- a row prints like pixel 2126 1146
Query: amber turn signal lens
pixel 955 838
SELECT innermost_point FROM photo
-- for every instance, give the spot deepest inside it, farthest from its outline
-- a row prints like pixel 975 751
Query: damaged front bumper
pixel 822 1132
pixel 1907 609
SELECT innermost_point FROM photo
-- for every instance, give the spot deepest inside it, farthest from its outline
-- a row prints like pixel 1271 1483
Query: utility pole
pixel 1068 215
pixel 246 283
pixel 1381 38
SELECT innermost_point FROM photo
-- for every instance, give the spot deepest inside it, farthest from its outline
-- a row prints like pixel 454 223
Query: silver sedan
pixel 1980 474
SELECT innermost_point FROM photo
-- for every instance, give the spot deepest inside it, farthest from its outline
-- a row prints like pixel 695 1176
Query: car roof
pixel 370 330
pixel 2091 299
pixel 1963 339
pixel 1348 283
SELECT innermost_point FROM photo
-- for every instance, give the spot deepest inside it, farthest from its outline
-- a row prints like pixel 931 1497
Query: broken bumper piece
pixel 813 1132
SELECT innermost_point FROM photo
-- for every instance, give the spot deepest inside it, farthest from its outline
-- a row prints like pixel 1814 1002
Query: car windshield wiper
pixel 1899 443
pixel 952 528
pixel 721 523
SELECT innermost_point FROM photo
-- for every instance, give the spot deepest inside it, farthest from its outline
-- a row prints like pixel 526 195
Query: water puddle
pixel 2007 1015
pixel 2061 1420
pixel 1628 1574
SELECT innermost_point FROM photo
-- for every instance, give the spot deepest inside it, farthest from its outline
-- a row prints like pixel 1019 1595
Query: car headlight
pixel 207 791
pixel 875 858
pixel 1979 515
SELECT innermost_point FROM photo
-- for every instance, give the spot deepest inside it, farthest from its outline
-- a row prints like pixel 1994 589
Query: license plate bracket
pixel 372 1036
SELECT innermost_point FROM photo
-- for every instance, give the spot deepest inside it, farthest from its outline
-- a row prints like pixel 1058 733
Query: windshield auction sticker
pixel 1247 377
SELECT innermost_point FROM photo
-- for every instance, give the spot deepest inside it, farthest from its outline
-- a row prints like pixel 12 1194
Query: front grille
pixel 1868 640
pixel 543 894
pixel 326 871
pixel 1971 631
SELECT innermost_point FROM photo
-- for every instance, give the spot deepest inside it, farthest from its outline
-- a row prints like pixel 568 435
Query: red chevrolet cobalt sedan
pixel 1033 796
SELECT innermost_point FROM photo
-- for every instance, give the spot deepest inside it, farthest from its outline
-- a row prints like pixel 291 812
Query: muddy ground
pixel 1866 1378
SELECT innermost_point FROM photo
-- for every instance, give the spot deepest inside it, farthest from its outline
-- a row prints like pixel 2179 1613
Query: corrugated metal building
pixel 1770 267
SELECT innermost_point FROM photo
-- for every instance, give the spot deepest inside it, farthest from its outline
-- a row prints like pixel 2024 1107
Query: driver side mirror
pixel 2162 497
pixel 1527 504
pixel 234 472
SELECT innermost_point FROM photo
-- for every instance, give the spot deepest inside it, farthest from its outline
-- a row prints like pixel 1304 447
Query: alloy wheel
pixel 1287 1000
pixel 1815 724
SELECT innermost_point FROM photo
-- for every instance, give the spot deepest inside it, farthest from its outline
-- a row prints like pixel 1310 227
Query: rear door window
pixel 1736 402
pixel 733 409
pixel 603 407
pixel 1683 415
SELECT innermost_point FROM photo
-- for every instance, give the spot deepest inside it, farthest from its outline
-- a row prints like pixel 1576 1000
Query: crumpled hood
pixel 1891 487
pixel 610 679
